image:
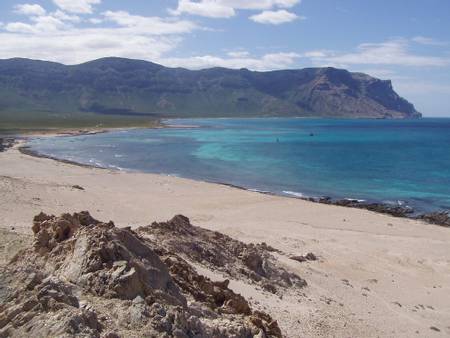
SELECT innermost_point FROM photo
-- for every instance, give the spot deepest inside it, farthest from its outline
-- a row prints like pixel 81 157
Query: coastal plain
pixel 375 276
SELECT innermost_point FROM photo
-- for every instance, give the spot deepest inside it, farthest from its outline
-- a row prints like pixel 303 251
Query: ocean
pixel 405 162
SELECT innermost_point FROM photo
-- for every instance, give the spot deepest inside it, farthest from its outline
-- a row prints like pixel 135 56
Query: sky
pixel 406 41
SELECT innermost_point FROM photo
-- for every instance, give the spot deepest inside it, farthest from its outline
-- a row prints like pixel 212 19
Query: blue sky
pixel 407 41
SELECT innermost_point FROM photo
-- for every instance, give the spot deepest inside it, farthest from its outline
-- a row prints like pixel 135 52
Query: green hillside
pixel 115 91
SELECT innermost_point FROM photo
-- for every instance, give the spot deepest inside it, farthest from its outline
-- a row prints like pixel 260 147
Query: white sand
pixel 377 275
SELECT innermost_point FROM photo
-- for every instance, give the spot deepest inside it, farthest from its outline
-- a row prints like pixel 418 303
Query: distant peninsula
pixel 118 88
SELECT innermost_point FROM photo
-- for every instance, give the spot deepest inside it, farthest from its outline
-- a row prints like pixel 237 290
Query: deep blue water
pixel 381 160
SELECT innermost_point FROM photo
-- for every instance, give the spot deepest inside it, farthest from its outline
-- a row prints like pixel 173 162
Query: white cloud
pixel 30 9
pixel 238 54
pixel 41 24
pixel 266 62
pixel 393 52
pixel 428 41
pixel 95 21
pixel 73 46
pixel 150 25
pixel 208 8
pixel 316 54
pixel 60 22
pixel 76 46
pixel 227 8
pixel 260 4
pixel 274 17
pixel 77 6
pixel 66 17
pixel 56 37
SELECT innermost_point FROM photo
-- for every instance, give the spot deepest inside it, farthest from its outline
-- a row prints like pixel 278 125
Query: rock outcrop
pixel 85 278
pixel 218 252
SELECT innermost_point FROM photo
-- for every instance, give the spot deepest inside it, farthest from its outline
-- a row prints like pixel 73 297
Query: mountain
pixel 124 87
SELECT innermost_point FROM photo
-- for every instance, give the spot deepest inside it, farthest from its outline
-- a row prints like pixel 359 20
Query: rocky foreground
pixel 85 278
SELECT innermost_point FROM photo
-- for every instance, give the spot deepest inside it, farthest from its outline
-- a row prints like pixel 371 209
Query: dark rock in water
pixel 86 278
pixel 440 218
pixel 394 210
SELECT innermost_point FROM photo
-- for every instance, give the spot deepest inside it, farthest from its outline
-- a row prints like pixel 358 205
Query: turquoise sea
pixel 391 161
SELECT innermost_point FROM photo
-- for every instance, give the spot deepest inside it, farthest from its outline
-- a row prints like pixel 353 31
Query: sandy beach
pixel 376 275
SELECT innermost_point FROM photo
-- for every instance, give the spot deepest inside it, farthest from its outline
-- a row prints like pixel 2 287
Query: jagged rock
pixel 216 294
pixel 41 307
pixel 86 278
pixel 220 252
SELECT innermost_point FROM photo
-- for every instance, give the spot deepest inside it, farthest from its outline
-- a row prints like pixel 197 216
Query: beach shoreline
pixel 437 217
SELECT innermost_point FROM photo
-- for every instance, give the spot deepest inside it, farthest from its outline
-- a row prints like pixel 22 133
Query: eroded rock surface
pixel 216 251
pixel 85 278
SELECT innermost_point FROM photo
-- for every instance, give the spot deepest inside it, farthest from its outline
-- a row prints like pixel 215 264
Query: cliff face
pixel 115 86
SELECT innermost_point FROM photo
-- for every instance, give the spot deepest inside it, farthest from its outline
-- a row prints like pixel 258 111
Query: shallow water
pixel 392 161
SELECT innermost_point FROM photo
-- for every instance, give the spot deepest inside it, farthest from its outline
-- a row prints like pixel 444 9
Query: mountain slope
pixel 123 87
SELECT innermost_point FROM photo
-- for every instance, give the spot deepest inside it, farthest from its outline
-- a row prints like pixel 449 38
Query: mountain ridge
pixel 125 87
